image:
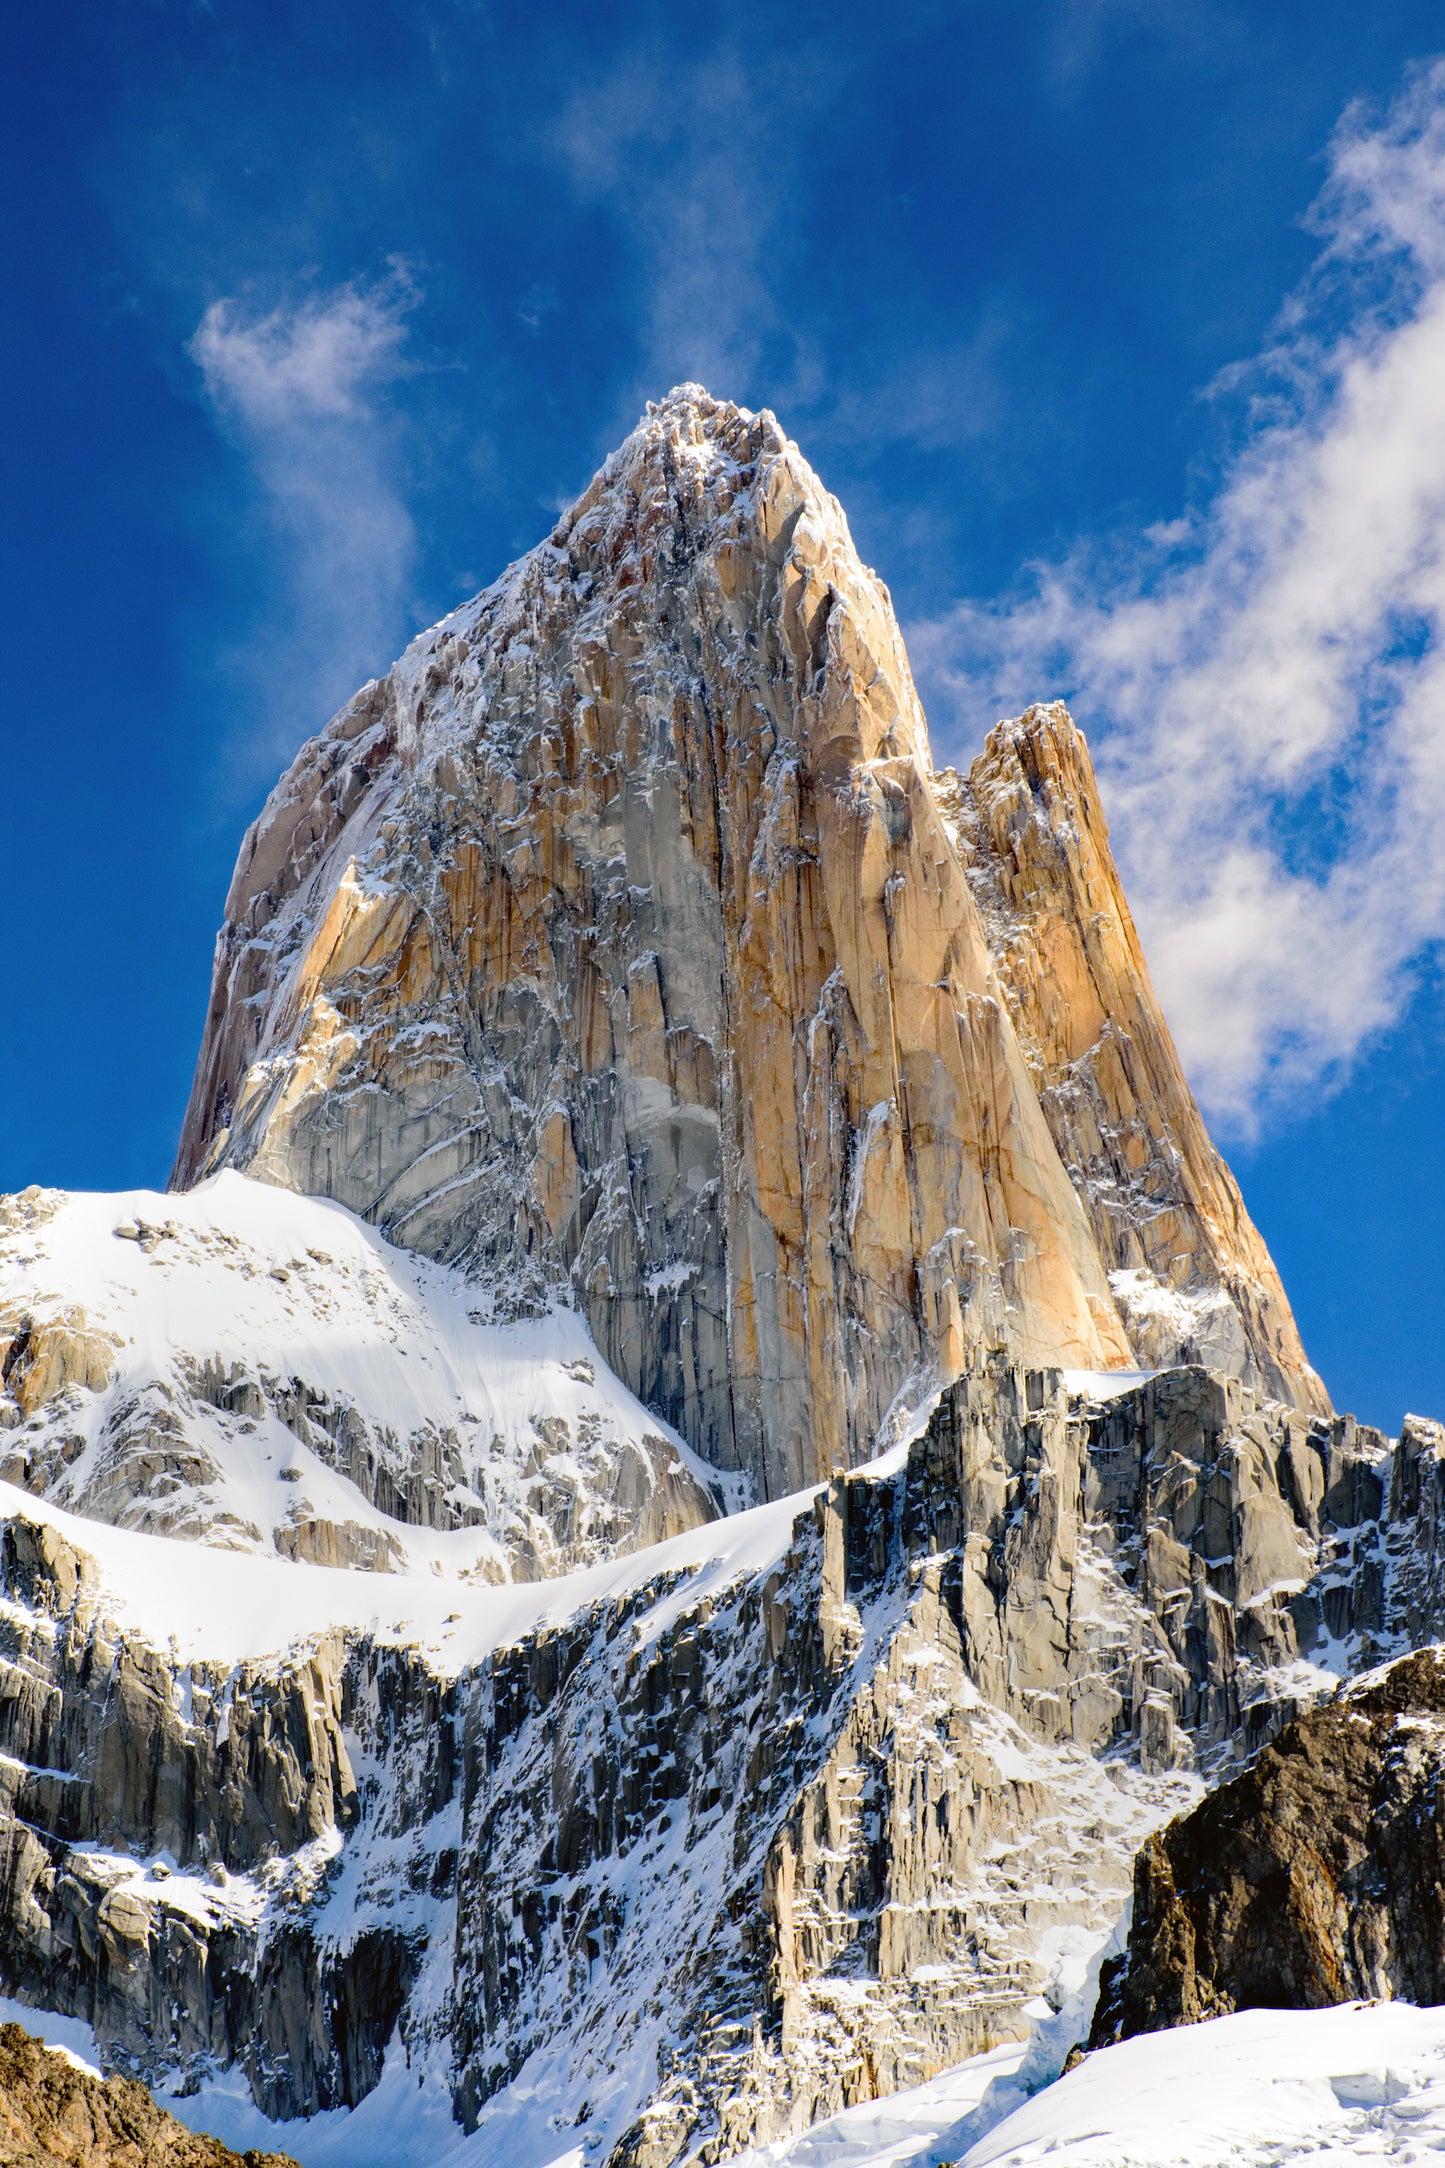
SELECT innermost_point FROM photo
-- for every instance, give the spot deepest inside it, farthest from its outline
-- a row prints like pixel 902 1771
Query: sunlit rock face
pixel 1190 1272
pixel 621 946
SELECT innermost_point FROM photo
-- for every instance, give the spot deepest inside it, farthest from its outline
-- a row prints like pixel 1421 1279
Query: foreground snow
pixel 1262 2089
pixel 1259 2089
pixel 903 2130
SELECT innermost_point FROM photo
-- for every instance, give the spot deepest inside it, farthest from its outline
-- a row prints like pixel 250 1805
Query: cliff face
pixel 618 945
pixel 1191 1275
pixel 685 1851
pixel 1313 1878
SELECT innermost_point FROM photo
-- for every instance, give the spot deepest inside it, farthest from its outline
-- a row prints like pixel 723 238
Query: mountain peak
pixel 623 949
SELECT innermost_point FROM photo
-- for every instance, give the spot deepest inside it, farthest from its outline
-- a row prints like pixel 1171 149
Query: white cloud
pixel 695 159
pixel 303 391
pixel 1263 682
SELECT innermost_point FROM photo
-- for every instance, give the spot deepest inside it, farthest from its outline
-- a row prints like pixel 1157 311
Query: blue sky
pixel 1117 325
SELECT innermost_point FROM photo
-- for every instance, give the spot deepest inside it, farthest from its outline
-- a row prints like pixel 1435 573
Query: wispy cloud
pixel 303 390
pixel 1081 32
pixel 1264 679
pixel 694 158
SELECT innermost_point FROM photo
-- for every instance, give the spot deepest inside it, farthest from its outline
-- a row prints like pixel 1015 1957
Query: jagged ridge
pixel 708 1842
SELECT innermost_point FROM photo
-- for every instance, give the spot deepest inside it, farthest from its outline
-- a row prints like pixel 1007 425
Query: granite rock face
pixel 1315 1877
pixel 1191 1275
pixel 778 1812
pixel 620 945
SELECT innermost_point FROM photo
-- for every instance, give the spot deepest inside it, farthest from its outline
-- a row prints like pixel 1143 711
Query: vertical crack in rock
pixel 1192 1277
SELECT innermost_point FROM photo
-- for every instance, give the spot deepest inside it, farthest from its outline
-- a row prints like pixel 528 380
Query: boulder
pixel 1315 1877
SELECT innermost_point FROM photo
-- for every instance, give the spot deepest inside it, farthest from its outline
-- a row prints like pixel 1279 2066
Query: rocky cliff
pixel 1313 1878
pixel 1191 1276
pixel 685 1851
pixel 54 2114
pixel 622 946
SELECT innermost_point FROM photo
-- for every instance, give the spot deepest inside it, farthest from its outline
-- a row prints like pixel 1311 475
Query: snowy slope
pixel 1261 2089
pixel 264 1371
pixel 206 1605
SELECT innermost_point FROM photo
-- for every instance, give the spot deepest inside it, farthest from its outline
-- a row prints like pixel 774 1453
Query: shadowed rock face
pixel 825 1813
pixel 1316 1877
pixel 619 944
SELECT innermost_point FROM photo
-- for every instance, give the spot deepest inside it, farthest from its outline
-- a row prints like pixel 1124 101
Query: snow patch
pixel 1260 2089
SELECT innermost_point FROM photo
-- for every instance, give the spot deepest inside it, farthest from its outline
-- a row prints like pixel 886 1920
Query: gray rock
pixel 827 1817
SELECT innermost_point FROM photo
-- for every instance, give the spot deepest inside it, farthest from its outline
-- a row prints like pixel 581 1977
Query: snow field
pixel 1261 2089
pixel 229 1607
pixel 237 1280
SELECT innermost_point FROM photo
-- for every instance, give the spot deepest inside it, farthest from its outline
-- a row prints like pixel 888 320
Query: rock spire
pixel 623 947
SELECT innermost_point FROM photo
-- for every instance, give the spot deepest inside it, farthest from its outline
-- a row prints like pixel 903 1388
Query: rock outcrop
pixel 618 945
pixel 53 2114
pixel 1316 1877
pixel 769 1802
pixel 1192 1277
pixel 742 1837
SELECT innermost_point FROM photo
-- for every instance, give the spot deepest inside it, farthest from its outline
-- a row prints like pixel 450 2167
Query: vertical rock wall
pixel 617 946
pixel 716 1854
pixel 623 946
pixel 1193 1278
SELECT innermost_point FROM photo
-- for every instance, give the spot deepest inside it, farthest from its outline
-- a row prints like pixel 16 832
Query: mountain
pixel 1190 1274
pixel 619 945
pixel 703 1449
pixel 701 1844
